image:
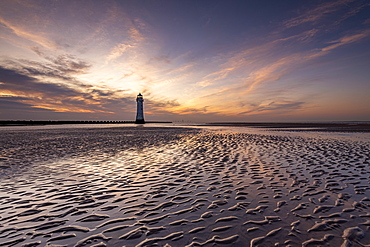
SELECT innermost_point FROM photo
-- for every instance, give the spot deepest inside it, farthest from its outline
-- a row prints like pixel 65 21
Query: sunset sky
pixel 193 60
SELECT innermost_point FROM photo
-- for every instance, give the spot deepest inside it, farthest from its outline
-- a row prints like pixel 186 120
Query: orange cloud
pixel 346 40
pixel 21 32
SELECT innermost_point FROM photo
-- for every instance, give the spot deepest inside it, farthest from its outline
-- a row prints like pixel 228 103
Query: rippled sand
pixel 181 187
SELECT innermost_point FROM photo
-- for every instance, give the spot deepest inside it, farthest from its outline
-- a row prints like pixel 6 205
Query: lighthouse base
pixel 140 121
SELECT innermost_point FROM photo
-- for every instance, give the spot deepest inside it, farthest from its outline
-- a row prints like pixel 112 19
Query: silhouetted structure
pixel 140 109
pixel 60 122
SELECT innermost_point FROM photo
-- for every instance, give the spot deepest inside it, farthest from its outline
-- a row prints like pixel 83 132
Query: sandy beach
pixel 171 186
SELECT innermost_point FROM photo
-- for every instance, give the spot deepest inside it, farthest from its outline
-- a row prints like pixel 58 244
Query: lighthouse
pixel 140 109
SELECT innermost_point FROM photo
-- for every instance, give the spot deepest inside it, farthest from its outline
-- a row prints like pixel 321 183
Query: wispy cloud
pixel 22 32
pixel 345 40
pixel 276 107
pixel 162 59
pixel 318 13
pixel 134 38
pixel 118 50
pixel 212 78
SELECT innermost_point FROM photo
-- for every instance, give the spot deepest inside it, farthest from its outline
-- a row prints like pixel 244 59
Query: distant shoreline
pixel 324 126
pixel 31 122
pixel 290 126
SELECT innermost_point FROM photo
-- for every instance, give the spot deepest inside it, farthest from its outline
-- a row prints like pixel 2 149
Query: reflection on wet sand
pixel 182 187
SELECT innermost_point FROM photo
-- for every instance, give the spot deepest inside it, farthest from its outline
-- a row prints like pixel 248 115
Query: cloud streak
pixel 346 40
pixel 319 12
pixel 25 34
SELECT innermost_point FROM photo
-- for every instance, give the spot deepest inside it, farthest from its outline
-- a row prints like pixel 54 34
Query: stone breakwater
pixel 181 187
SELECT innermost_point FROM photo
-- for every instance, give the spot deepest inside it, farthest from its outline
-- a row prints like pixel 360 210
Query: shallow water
pixel 152 186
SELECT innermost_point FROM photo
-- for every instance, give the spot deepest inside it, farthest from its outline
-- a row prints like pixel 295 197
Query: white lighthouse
pixel 140 109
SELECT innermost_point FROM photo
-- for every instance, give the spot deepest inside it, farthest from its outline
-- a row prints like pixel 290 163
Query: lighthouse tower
pixel 140 110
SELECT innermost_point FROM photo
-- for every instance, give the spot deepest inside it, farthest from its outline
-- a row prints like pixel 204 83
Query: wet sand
pixel 181 187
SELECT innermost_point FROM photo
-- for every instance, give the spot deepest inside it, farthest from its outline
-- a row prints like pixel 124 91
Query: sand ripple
pixel 182 187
